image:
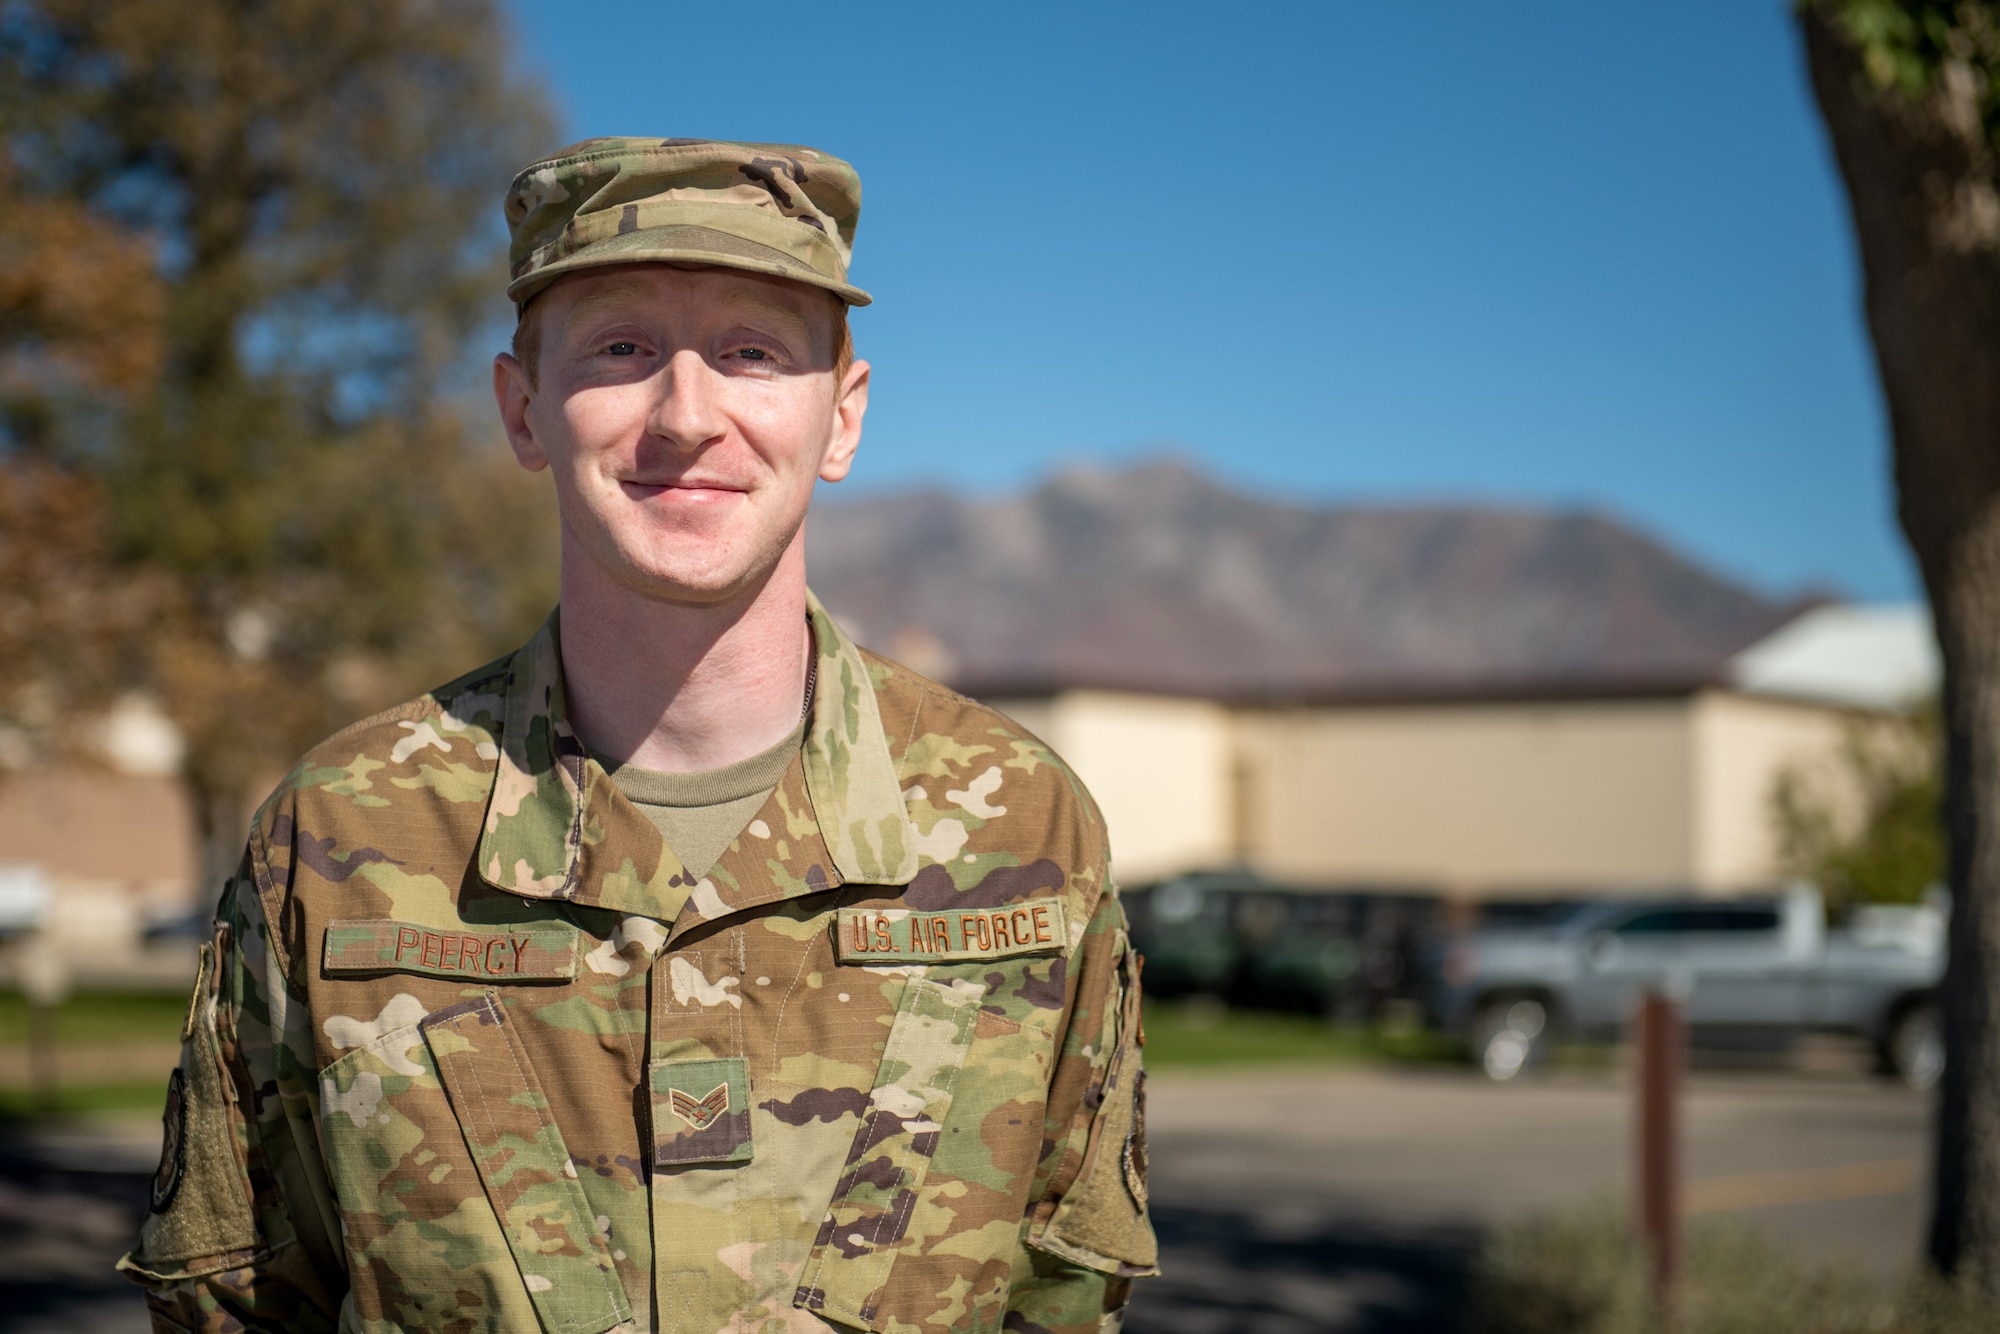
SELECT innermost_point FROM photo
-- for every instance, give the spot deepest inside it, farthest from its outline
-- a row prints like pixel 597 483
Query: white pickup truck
pixel 1738 967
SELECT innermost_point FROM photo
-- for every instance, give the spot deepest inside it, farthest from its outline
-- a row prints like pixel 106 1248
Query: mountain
pixel 1156 577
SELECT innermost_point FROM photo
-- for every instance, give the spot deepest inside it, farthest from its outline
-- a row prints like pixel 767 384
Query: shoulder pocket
pixel 201 1215
pixel 1101 1221
pixel 927 1212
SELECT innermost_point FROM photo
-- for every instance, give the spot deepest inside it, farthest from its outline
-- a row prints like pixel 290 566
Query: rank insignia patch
pixel 701 1111
pixel 700 1114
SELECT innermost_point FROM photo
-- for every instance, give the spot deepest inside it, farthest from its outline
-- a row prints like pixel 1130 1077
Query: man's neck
pixel 677 687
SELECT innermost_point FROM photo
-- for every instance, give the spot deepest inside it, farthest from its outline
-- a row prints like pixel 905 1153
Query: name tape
pixel 383 946
pixel 906 935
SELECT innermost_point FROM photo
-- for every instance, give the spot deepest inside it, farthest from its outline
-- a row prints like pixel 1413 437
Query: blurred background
pixel 1422 465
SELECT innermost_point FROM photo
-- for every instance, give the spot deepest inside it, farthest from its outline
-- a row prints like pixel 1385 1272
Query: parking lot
pixel 1287 1201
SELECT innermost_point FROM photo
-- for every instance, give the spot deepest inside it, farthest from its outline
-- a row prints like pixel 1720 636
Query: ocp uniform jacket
pixel 471 1050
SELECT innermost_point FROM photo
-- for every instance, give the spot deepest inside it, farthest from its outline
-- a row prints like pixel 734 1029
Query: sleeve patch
pixel 1101 1222
pixel 200 1217
pixel 1134 1158
pixel 173 1146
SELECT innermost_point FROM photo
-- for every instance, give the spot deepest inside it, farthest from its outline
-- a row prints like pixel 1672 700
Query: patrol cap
pixel 777 209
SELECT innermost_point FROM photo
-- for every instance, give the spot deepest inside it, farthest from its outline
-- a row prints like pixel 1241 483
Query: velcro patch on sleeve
pixel 386 946
pixel 907 935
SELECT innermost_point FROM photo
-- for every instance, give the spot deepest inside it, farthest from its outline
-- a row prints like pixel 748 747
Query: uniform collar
pixel 557 827
pixel 850 776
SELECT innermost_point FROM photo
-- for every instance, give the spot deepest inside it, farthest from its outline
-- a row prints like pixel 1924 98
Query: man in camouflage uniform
pixel 690 969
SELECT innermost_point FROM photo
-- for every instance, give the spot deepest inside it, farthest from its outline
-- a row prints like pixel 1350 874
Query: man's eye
pixel 754 354
pixel 623 349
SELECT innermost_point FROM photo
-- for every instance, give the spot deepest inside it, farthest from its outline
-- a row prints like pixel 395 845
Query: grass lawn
pixel 99 1019
pixel 73 1100
pixel 1180 1034
pixel 118 1039
pixel 105 1023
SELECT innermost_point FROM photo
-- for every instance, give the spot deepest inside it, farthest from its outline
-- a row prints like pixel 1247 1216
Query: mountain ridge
pixel 1158 577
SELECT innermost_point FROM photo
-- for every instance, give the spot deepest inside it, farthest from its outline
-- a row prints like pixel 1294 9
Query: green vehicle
pixel 1184 928
pixel 1278 947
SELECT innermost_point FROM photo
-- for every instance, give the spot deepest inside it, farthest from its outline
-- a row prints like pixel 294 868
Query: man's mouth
pixel 682 490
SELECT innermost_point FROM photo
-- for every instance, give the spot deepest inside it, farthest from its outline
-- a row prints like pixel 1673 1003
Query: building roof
pixel 1869 657
pixel 1880 658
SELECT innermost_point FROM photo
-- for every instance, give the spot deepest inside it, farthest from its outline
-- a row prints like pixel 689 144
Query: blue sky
pixel 1559 255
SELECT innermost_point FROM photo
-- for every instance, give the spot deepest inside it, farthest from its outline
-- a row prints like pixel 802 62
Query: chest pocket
pixel 924 1222
pixel 460 1203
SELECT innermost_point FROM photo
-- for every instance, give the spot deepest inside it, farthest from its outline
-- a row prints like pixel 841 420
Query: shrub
pixel 1584 1273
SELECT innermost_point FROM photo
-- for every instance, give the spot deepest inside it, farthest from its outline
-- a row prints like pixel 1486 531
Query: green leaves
pixel 1868 827
pixel 1909 47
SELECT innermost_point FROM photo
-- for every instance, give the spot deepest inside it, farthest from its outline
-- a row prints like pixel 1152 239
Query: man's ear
pixel 850 405
pixel 513 393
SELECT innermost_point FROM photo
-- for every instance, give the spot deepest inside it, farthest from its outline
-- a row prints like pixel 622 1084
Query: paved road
pixel 1286 1202
pixel 1353 1202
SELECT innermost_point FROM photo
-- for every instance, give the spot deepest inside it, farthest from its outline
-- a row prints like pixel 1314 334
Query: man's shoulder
pixel 926 719
pixel 441 744
pixel 963 763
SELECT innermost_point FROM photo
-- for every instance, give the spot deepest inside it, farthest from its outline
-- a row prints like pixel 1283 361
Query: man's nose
pixel 687 409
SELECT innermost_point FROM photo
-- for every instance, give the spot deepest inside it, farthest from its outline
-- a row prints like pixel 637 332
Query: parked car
pixel 1185 928
pixel 1270 946
pixel 1739 967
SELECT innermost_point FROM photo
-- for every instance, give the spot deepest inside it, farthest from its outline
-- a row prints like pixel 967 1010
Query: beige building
pixel 93 854
pixel 1529 794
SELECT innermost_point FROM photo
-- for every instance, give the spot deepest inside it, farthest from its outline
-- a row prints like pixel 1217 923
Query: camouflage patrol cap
pixel 777 209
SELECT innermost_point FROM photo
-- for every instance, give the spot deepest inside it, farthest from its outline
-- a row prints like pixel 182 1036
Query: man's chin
pixel 699 590
pixel 691 583
pixel 681 566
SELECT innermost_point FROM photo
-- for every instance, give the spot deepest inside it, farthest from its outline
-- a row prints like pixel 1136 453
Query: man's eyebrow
pixel 758 306
pixel 610 294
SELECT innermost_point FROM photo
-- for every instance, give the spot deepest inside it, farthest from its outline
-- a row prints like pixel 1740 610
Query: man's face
pixel 685 414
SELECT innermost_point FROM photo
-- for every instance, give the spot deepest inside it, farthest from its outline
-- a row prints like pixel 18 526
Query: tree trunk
pixel 1921 182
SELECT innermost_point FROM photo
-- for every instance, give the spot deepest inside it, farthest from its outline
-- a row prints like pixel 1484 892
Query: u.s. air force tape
pixel 538 952
pixel 908 935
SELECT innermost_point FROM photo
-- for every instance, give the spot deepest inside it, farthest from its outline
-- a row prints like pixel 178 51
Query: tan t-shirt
pixel 700 814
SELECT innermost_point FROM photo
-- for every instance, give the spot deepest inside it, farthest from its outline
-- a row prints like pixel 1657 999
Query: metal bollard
pixel 1658 1057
